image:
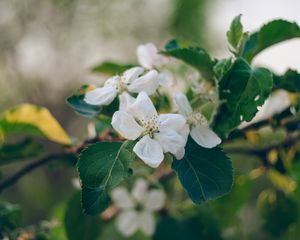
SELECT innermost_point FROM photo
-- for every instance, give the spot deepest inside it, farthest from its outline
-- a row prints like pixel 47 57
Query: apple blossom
pixel 137 209
pixel 158 134
pixel 131 80
pixel 149 58
pixel 198 125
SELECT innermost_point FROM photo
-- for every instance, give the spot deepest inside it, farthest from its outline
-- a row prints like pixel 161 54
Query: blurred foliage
pixel 189 21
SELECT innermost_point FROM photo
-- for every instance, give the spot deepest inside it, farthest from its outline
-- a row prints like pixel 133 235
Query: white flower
pixel 198 125
pixel 149 58
pixel 132 80
pixel 137 209
pixel 159 133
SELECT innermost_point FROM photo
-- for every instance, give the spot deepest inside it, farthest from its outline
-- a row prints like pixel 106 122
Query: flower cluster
pixel 137 208
pixel 137 118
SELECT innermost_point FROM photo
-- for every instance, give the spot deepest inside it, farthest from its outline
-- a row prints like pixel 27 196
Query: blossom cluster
pixel 138 119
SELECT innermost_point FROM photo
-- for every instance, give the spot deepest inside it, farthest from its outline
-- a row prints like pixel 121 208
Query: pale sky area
pixel 256 13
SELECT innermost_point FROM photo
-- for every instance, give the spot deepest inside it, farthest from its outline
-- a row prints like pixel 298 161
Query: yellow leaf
pixel 40 118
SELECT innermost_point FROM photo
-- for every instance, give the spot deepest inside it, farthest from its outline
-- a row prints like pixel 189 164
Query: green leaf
pixel 111 68
pixel 10 216
pixel 222 67
pixel 79 225
pixel 204 173
pixel 241 90
pixel 102 166
pixel 290 81
pixel 24 149
pixel 193 56
pixel 235 32
pixel 80 106
pixel 271 33
pixel 95 199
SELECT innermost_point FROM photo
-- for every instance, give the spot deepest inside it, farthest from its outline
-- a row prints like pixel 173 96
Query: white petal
pixel 126 126
pixel 172 120
pixel 101 96
pixel 149 151
pixel 180 153
pixel 146 55
pixel 147 83
pixel 185 131
pixel 139 190
pixel 155 200
pixel 204 136
pixel 125 101
pixel 142 108
pixel 183 104
pixel 112 82
pixel 147 223
pixel 76 183
pixel 170 140
pixel 128 222
pixel 132 73
pixel 121 198
pixel 165 79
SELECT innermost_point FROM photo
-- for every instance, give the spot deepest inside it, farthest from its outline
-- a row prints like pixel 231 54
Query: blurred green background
pixel 48 46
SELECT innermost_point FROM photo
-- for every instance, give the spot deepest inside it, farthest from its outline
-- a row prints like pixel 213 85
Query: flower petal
pixel 149 151
pixel 142 108
pixel 165 79
pixel 112 82
pixel 146 55
pixel 183 104
pixel 204 136
pixel 121 198
pixel 170 140
pixel 155 200
pixel 139 190
pixel 125 101
pixel 172 120
pixel 76 183
pixel 126 126
pixel 147 83
pixel 128 222
pixel 132 73
pixel 147 223
pixel 180 153
pixel 101 96
pixel 185 131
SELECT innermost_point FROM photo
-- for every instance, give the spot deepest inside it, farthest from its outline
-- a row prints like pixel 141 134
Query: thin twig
pixel 289 141
pixel 107 136
pixel 28 168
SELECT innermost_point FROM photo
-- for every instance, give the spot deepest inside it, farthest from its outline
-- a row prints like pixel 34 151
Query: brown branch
pixel 289 141
pixel 106 136
pixel 28 168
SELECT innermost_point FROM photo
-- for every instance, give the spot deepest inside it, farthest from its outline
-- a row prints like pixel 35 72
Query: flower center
pixel 151 125
pixel 120 84
pixel 196 118
pixel 139 207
